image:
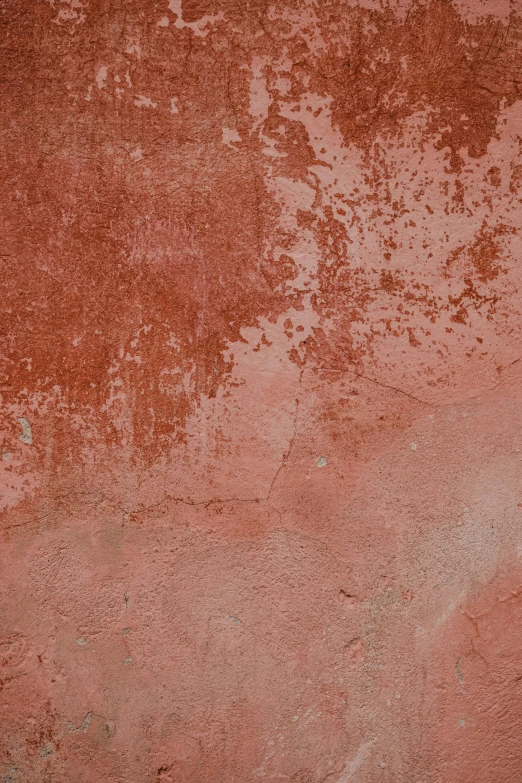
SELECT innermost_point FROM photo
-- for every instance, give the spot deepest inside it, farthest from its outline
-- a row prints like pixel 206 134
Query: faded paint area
pixel 261 391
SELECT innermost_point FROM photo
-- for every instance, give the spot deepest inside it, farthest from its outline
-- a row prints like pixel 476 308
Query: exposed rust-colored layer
pixel 260 391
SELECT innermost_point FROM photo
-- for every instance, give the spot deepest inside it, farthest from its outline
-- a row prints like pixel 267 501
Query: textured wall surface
pixel 261 391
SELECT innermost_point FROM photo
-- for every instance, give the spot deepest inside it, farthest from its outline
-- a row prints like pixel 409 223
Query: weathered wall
pixel 261 393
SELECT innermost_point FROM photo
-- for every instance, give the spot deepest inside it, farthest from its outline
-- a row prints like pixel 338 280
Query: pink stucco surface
pixel 261 391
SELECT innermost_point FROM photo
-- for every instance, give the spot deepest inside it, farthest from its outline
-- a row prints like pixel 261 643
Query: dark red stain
pixel 128 228
pixel 483 258
pixel 125 256
pixel 385 69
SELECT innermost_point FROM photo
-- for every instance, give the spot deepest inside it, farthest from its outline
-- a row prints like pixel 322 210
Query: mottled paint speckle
pixel 260 386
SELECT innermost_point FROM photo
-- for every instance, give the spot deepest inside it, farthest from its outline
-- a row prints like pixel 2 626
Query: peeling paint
pixel 261 314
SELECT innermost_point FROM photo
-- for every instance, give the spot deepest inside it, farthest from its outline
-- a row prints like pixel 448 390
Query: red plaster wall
pixel 260 386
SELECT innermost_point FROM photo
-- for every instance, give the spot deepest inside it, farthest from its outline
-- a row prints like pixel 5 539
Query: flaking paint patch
pixel 27 434
pixel 264 261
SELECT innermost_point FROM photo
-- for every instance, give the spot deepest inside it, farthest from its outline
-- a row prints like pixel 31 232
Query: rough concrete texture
pixel 261 391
